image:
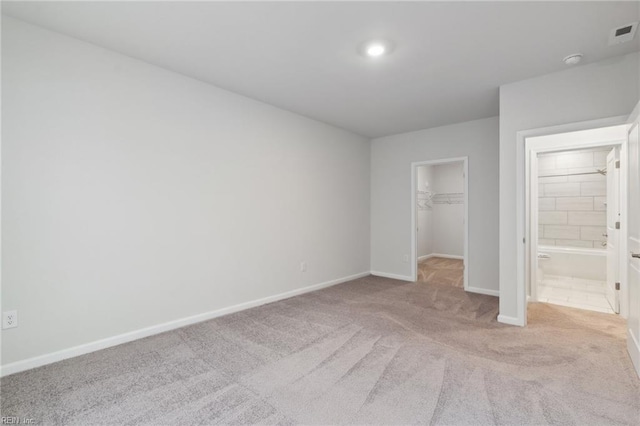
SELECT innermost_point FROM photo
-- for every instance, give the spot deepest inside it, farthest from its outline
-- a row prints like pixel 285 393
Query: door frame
pixel 613 233
pixel 532 142
pixel 633 334
pixel 413 258
pixel 520 318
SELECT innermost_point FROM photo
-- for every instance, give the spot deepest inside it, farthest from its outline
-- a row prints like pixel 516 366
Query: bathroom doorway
pixel 439 222
pixel 575 206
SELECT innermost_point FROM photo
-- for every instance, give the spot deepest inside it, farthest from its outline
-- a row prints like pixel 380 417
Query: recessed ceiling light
pixel 375 48
pixel 573 59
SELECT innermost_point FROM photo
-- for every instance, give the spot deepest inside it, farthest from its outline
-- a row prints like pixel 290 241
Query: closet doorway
pixel 439 201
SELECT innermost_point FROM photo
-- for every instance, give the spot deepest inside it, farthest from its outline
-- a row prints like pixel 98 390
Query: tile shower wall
pixel 571 207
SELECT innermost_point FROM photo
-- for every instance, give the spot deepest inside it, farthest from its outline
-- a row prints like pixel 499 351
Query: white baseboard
pixel 38 361
pixel 488 292
pixel 446 256
pixel 392 276
pixel 510 320
pixel 633 347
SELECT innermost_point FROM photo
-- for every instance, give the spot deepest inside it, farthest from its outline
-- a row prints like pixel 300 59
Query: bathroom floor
pixel 574 293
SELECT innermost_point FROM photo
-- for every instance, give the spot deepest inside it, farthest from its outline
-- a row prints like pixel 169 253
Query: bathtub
pixel 586 263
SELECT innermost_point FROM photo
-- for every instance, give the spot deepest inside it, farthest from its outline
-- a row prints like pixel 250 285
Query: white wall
pixel 134 196
pixel 424 215
pixel 391 159
pixel 448 219
pixel 587 92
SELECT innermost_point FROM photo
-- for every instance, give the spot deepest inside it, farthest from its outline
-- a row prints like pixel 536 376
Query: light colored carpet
pixel 370 351
pixel 442 271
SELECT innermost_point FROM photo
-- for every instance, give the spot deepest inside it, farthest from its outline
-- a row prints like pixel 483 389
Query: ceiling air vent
pixel 623 33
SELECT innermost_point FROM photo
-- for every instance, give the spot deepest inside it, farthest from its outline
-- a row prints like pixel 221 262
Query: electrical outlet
pixel 9 319
pixel 405 258
pixel 303 266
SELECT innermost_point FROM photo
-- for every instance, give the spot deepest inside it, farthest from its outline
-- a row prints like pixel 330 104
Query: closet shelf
pixel 449 198
pixel 424 199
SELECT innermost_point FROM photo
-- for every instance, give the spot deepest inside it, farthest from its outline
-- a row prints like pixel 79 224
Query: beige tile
pixel 572 170
pixel 593 233
pixel 574 243
pixel 587 178
pixel 552 218
pixel 562 189
pixel 578 296
pixel 546 162
pixel 600 158
pixel 556 281
pixel 553 172
pixel 599 203
pixel 598 304
pixel 588 218
pixel 546 242
pixel 552 179
pixel 561 232
pixel 574 203
pixel 593 188
pixel 559 293
pixel 546 203
pixel 574 159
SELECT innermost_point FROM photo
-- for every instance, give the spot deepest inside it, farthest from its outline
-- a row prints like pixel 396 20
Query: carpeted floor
pixel 442 271
pixel 370 351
